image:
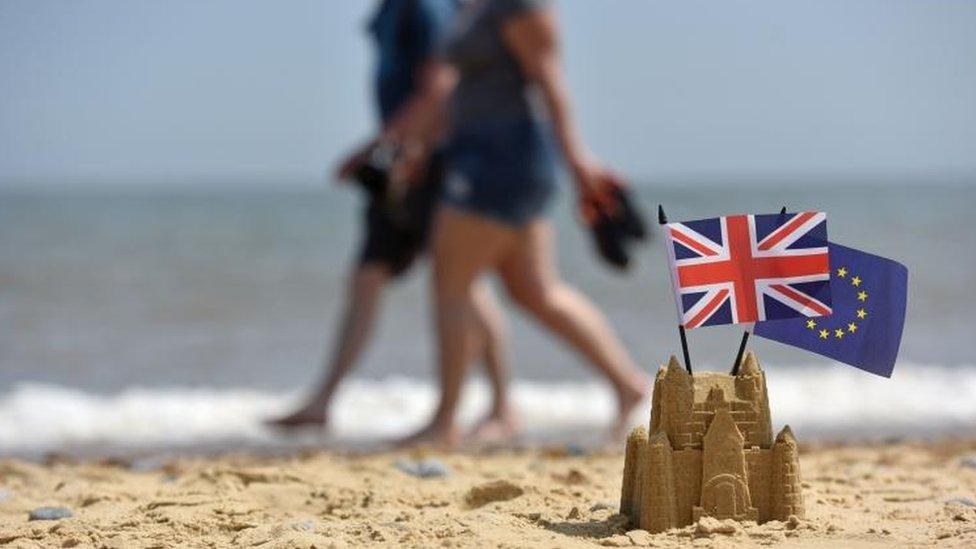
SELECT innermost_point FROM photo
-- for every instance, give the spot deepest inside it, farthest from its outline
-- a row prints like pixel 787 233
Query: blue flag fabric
pixel 869 296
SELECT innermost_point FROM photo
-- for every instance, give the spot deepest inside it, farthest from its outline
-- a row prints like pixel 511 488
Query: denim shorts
pixel 505 170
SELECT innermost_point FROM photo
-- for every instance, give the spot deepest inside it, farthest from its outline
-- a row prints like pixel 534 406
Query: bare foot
pixel 627 401
pixel 434 435
pixel 497 428
pixel 303 418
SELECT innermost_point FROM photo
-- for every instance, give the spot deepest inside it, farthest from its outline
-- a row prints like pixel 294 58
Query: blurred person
pixel 501 76
pixel 406 32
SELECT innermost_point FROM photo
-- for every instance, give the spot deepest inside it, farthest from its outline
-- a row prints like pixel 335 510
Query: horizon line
pixel 293 182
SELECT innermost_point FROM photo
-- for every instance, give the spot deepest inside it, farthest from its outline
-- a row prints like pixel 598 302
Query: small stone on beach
pixel 49 513
pixel 425 468
pixel 968 502
pixel 576 449
pixel 968 461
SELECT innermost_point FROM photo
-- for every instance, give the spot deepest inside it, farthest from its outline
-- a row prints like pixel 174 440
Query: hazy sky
pixel 258 92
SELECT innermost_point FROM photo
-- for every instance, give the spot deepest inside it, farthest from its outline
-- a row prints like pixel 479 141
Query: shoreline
pixel 585 440
pixel 849 406
pixel 860 495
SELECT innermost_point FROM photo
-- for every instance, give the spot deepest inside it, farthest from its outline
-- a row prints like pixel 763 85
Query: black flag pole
pixel 684 347
pixel 742 350
pixel 662 219
pixel 746 333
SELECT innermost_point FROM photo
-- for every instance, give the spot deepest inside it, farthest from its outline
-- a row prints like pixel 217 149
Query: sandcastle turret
pixel 710 452
pixel 629 500
pixel 676 402
pixel 787 495
pixel 750 386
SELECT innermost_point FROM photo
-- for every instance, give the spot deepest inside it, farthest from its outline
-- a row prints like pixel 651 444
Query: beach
pixel 900 494
pixel 244 266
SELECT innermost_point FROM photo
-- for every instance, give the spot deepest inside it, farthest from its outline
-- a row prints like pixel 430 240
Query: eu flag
pixel 869 295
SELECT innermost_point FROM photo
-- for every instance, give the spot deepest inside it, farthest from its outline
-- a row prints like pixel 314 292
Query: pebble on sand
pixel 49 513
pixel 968 502
pixel 576 450
pixel 425 468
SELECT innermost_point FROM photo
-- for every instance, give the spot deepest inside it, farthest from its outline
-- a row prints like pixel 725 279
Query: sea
pixel 178 318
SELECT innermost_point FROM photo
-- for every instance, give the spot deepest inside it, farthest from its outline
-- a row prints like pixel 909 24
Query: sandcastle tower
pixel 710 452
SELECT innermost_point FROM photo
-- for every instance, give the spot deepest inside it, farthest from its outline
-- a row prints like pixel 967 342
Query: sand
pixel 894 495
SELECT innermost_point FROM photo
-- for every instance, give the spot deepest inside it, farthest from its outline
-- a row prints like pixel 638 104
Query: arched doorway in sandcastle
pixel 726 496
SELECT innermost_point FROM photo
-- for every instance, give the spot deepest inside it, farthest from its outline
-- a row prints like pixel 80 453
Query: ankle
pixel 316 406
pixel 441 422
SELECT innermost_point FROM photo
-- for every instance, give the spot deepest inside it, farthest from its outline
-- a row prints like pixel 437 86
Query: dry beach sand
pixel 895 495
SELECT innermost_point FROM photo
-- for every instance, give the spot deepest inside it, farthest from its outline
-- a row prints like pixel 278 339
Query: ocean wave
pixel 817 401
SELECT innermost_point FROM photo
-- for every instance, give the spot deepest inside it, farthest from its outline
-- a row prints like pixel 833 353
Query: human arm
pixel 410 37
pixel 417 128
pixel 532 36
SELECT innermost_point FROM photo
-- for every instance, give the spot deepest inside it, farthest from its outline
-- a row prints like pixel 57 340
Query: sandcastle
pixel 710 453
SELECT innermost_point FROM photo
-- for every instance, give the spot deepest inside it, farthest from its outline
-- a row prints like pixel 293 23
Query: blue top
pixel 407 32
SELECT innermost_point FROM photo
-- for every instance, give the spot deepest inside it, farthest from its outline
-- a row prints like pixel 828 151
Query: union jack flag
pixel 747 268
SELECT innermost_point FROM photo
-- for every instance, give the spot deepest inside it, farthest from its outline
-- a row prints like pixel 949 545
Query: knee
pixel 449 283
pixel 533 298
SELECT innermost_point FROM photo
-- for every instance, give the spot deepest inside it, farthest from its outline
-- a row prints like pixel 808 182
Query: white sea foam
pixel 818 401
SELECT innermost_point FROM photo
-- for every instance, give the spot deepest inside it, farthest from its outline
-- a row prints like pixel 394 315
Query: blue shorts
pixel 502 170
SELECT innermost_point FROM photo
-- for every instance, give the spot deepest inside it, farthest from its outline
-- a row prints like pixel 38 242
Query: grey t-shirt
pixel 492 85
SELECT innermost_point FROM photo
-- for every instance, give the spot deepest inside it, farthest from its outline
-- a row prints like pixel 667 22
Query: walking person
pixel 502 73
pixel 406 33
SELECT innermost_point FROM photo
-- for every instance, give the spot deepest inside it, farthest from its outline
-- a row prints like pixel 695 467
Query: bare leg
pixel 500 424
pixel 531 277
pixel 365 288
pixel 464 246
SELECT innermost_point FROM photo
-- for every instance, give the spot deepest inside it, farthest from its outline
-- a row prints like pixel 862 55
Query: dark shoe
pixel 615 230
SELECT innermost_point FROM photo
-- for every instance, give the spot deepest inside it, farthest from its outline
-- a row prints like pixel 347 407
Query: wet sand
pixel 895 495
